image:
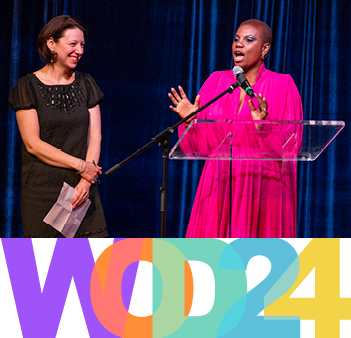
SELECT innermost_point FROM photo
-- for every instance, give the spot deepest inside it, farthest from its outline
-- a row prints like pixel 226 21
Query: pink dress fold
pixel 263 200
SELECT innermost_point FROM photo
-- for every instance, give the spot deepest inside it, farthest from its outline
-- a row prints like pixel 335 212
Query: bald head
pixel 262 27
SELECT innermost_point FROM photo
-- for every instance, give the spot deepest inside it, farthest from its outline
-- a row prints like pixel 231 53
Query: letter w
pixel 40 312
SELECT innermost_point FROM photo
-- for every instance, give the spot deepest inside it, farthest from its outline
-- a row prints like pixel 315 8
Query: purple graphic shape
pixel 40 312
pixel 128 281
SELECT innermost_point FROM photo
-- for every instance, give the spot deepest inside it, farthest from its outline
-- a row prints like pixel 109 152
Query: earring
pixel 263 56
pixel 52 58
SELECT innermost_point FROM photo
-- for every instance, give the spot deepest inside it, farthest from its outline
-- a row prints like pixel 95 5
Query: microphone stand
pixel 163 140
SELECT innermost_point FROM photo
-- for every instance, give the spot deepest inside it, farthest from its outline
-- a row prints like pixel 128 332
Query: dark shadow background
pixel 137 50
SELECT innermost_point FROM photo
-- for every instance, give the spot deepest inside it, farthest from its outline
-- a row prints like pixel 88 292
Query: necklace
pixel 63 97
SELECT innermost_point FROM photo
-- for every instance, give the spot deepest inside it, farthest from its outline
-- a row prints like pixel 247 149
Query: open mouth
pixel 238 56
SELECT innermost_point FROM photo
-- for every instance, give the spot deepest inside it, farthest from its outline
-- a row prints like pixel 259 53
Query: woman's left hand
pixel 261 112
pixel 82 194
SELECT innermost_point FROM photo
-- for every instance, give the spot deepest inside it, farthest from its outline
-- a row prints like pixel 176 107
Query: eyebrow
pixel 246 36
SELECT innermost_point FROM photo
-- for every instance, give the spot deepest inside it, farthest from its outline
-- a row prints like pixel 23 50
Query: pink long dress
pixel 263 198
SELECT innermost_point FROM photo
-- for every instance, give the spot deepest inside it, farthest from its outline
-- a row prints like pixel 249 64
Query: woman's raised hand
pixel 261 112
pixel 182 105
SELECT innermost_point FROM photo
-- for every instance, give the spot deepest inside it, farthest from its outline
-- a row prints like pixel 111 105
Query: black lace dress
pixel 64 122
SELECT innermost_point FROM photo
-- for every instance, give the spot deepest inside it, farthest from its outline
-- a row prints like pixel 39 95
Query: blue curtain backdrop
pixel 137 50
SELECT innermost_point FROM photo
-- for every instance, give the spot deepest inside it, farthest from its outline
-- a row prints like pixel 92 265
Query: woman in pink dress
pixel 263 201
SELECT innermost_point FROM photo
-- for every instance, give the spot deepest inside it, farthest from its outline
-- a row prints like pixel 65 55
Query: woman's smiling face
pixel 69 48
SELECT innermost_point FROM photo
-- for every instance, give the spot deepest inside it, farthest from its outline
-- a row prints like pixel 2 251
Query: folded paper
pixel 62 217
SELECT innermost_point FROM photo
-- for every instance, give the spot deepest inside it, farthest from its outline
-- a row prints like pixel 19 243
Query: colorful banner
pixel 174 288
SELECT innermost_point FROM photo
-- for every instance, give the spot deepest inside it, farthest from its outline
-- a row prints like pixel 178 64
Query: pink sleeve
pixel 287 101
pixel 286 106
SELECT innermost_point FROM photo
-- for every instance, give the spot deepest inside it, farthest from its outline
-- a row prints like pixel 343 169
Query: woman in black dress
pixel 58 115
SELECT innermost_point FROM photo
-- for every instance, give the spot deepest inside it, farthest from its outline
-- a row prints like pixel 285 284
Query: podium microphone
pixel 242 81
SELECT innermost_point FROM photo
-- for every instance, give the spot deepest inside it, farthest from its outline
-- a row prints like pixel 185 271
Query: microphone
pixel 242 81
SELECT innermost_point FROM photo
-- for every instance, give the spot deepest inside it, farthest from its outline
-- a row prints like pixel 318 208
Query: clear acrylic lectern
pixel 227 141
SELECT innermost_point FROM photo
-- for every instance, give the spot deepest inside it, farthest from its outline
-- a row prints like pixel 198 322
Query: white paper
pixel 62 217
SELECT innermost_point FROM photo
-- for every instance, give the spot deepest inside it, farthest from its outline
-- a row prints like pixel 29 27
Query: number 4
pixel 327 308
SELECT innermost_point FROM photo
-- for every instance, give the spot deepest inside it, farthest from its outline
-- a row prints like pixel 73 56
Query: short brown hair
pixel 55 29
pixel 266 32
